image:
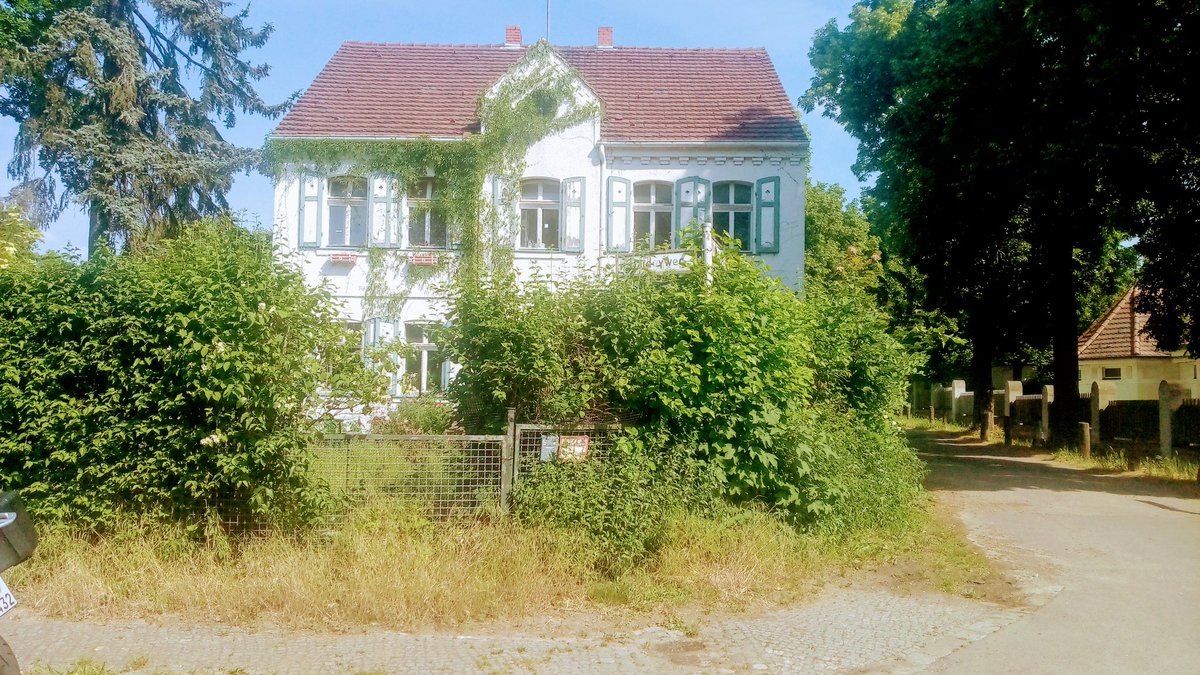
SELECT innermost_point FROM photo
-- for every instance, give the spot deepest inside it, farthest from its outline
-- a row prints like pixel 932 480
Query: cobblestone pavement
pixel 841 629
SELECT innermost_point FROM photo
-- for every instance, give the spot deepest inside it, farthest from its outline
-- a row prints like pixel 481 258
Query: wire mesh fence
pixel 539 443
pixel 446 476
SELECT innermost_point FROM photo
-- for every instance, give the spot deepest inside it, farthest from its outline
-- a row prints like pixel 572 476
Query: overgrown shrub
pixel 623 503
pixel 170 382
pixel 422 415
pixel 767 390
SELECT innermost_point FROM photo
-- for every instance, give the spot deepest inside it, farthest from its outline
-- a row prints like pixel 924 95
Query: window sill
pixel 544 251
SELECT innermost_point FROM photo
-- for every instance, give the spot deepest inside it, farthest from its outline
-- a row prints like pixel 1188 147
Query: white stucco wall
pixel 1140 377
pixel 577 152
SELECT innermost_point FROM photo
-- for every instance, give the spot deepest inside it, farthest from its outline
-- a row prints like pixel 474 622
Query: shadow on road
pixel 962 463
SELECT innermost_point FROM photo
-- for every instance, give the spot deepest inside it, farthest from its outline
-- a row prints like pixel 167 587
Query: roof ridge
pixel 500 45
pixel 370 43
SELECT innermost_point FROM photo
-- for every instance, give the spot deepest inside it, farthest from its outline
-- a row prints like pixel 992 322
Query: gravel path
pixel 843 628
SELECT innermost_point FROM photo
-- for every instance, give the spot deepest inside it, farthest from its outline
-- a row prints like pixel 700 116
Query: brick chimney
pixel 512 36
pixel 604 37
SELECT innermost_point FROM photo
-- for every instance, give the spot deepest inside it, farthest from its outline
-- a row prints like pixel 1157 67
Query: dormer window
pixel 426 229
pixel 349 217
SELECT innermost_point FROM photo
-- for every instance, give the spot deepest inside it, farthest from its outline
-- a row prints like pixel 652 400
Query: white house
pixel 681 134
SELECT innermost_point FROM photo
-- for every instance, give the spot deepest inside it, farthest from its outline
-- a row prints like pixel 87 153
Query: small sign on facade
pixel 573 448
pixel 565 448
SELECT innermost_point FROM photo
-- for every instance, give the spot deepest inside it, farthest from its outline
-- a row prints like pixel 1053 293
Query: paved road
pixel 1126 553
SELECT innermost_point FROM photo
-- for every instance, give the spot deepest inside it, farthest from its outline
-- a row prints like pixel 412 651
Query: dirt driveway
pixel 1125 552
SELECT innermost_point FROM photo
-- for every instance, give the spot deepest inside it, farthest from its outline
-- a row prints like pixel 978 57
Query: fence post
pixel 932 402
pixel 1170 397
pixel 1047 399
pixel 958 389
pixel 508 462
pixel 1012 389
pixel 1095 412
pixel 1085 438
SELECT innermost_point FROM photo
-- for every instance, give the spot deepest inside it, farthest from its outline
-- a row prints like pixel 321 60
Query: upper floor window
pixel 1111 374
pixel 539 214
pixel 732 204
pixel 425 226
pixel 349 214
pixel 652 212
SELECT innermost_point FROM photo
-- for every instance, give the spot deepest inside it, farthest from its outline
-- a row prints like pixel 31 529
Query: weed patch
pixel 388 567
pixel 1178 467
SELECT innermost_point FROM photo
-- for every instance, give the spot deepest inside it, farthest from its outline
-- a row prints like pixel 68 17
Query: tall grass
pixel 1176 467
pixel 389 567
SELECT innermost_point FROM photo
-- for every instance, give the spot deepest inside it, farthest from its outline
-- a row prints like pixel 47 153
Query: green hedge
pixel 173 382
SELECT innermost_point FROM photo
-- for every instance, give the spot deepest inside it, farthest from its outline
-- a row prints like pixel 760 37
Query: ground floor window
pixel 425 365
pixel 539 214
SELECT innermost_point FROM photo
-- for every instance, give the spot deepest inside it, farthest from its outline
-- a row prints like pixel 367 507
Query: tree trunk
pixel 1018 372
pixel 95 228
pixel 1064 305
pixel 982 354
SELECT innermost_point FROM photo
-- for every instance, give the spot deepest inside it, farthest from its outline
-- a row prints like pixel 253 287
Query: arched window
pixel 349 216
pixel 425 227
pixel 731 206
pixel 652 214
pixel 539 214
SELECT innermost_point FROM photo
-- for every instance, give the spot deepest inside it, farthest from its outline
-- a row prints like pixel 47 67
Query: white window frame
pixel 541 204
pixel 350 203
pixel 427 187
pixel 731 208
pixel 423 350
pixel 1105 373
pixel 653 207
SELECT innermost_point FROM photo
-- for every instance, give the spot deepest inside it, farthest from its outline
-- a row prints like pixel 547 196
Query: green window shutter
pixel 311 191
pixel 570 227
pixel 369 338
pixel 766 214
pixel 379 198
pixel 393 331
pixel 620 215
pixel 693 201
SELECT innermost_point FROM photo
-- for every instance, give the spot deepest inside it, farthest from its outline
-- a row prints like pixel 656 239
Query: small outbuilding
pixel 1116 351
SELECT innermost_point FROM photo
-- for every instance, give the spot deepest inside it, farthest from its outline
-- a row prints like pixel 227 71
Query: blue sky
pixel 307 32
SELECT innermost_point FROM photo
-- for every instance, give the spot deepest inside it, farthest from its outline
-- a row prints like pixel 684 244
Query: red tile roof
pixel 375 90
pixel 1119 334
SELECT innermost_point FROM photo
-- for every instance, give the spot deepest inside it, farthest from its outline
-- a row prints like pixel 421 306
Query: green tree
pixel 17 237
pixel 100 90
pixel 976 118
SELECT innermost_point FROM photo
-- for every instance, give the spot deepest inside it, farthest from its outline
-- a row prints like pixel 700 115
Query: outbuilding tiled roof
pixel 1119 334
pixel 376 90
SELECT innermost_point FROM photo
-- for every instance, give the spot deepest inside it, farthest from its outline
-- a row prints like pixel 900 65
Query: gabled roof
pixel 379 90
pixel 1119 334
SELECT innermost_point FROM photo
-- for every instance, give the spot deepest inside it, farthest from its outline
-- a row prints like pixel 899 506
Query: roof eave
pixel 327 137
